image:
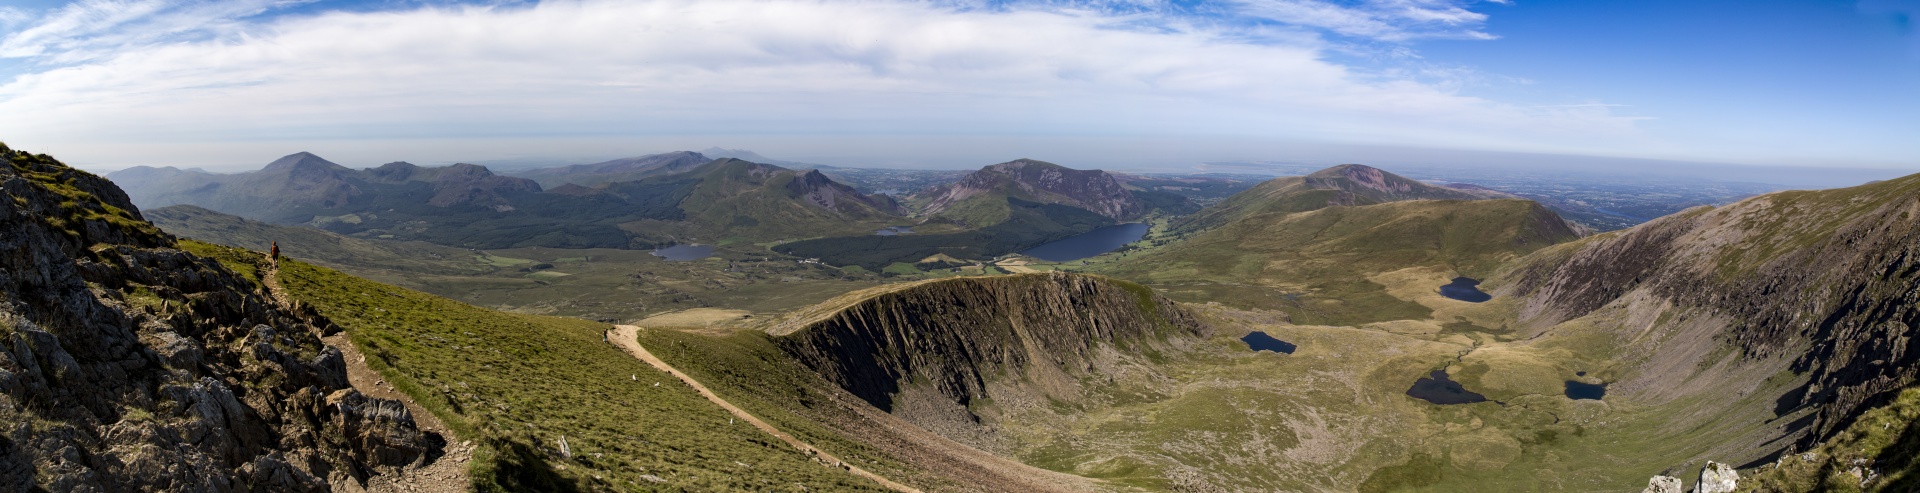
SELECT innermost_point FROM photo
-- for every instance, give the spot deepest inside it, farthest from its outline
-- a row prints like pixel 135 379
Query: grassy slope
pixel 746 369
pixel 1314 264
pixel 1884 442
pixel 516 384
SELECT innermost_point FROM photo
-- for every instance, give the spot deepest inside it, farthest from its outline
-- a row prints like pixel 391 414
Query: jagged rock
pixel 1717 478
pixel 129 365
pixel 1663 484
pixel 381 432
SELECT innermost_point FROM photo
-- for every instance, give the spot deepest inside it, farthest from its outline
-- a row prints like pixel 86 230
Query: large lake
pixel 682 253
pixel 1089 244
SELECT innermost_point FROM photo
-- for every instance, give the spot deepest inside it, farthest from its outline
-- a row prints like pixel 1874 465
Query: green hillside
pixel 1316 265
pixel 518 384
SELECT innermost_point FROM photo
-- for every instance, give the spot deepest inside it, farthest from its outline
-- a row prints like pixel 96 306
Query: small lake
pixel 683 253
pixel 1439 389
pixel 1465 289
pixel 1260 341
pixel 1580 390
pixel 894 231
pixel 1090 243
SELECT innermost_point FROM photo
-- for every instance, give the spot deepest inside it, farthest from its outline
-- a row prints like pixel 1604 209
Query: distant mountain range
pixel 629 203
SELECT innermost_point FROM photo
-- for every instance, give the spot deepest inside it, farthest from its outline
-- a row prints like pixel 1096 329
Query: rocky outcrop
pixel 960 338
pixel 1824 283
pixel 1663 484
pixel 1042 182
pixel 1717 478
pixel 129 365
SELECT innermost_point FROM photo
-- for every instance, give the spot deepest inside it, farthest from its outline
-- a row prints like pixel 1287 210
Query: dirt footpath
pixel 626 336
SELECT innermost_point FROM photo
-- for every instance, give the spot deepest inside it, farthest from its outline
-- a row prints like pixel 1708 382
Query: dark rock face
pixel 959 335
pixel 127 365
pixel 1828 280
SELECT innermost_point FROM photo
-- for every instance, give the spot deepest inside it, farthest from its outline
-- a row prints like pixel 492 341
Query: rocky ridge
pixel 127 364
pixel 1823 284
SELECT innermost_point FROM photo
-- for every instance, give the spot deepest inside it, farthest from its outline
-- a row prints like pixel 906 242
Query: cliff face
pixel 1825 282
pixel 962 339
pixel 129 365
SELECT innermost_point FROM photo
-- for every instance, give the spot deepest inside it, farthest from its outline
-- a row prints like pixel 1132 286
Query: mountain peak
pixel 302 160
pixel 1024 163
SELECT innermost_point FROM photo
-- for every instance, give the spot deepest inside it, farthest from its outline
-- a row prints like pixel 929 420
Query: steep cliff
pixel 1823 283
pixel 968 340
pixel 129 365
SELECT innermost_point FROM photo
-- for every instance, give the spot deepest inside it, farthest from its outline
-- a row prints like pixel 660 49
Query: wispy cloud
pixel 1386 20
pixel 91 29
pixel 595 67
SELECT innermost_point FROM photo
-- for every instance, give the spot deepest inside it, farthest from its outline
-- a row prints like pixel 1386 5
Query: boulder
pixel 1663 484
pixel 1717 478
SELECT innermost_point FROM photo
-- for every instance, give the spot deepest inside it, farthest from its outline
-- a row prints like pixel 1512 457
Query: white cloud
pixel 784 67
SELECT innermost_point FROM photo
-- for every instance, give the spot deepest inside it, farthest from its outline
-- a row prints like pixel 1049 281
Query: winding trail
pixel 445 474
pixel 627 337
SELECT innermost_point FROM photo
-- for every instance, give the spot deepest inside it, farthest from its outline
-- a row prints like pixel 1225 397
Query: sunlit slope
pixel 1315 264
pixel 522 383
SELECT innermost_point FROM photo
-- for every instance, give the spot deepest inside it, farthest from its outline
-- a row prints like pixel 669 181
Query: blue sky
pixel 1118 84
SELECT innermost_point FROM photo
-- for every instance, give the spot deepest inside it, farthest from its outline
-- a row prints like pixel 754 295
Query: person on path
pixel 275 254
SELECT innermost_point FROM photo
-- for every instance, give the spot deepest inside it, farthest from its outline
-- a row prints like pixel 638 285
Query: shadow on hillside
pixel 1900 457
pixel 523 467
